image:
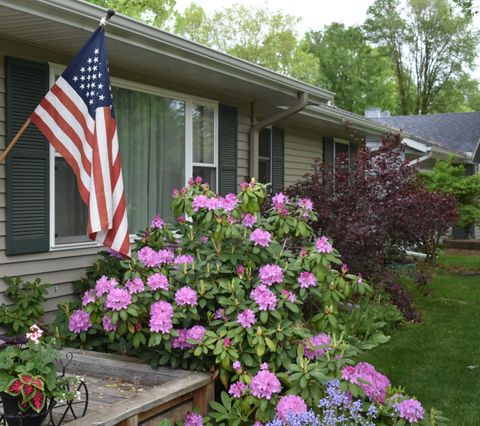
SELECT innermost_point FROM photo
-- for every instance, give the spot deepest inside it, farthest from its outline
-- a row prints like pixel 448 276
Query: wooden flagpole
pixel 15 139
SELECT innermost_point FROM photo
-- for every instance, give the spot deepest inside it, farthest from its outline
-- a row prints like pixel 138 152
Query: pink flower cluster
pixel 249 220
pixel 411 410
pixel 186 296
pixel 305 203
pixel 118 299
pixel 104 285
pixel 323 245
pixel 152 258
pixel 246 318
pixel 79 321
pixel 161 314
pixel 279 201
pixel 307 279
pixel 288 295
pixel 261 237
pixel 373 383
pixel 315 347
pixel 264 298
pixel 193 419
pixel 184 334
pixel 264 384
pixel 271 274
pixel 158 281
pixel 88 297
pixel 228 203
pixel 290 404
pixel 34 334
pixel 108 325
pixel 184 259
pixel 238 389
pixel 157 222
pixel 135 286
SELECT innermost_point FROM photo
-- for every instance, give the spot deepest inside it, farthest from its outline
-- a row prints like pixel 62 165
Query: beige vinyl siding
pixel 301 149
pixel 61 268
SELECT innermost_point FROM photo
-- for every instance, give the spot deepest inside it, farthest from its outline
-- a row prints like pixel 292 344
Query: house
pixel 457 132
pixel 182 109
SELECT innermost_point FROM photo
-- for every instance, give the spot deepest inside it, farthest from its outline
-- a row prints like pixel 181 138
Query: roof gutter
pixel 421 159
pixel 301 103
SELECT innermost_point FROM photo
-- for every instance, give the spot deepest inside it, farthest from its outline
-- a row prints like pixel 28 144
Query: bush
pixel 374 207
pixel 256 299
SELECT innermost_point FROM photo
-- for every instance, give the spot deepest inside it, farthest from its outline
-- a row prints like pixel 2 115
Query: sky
pixel 314 13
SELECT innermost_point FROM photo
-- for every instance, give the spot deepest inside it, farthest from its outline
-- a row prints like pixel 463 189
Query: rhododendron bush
pixel 254 298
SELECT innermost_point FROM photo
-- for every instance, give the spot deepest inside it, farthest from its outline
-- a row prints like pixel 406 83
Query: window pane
pixel 340 148
pixel 70 211
pixel 151 131
pixel 208 175
pixel 203 141
pixel 264 171
pixel 264 143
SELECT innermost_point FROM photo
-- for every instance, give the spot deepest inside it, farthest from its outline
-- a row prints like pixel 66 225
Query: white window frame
pixel 56 69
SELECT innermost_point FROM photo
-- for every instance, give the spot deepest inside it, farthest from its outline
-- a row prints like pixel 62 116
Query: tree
pixel 152 12
pixel 451 179
pixel 430 44
pixel 460 95
pixel 257 35
pixel 358 74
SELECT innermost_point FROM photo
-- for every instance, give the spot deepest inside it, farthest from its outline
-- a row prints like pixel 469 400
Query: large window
pixel 164 139
pixel 265 156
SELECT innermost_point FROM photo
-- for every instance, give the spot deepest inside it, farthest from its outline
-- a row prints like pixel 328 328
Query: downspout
pixel 256 127
pixel 421 159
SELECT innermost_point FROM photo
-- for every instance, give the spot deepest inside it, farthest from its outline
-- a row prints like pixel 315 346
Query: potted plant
pixel 29 382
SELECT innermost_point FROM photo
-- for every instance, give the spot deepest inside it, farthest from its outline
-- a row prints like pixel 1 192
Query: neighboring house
pixel 182 109
pixel 458 132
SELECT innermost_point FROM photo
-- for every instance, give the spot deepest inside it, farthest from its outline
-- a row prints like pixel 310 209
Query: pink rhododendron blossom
pixel 246 318
pixel 236 365
pixel 198 180
pixel 113 253
pixel 204 239
pixel 307 279
pixel 323 245
pixel 193 419
pixel 79 321
pixel 148 257
pixel 88 297
pixel 184 190
pixel 196 333
pixel 229 203
pixel 157 222
pixel 271 274
pixel 305 203
pixel 315 347
pixel 261 237
pixel 290 404
pixel 373 383
pixel 249 220
pixel 135 286
pixel 264 366
pixel 279 200
pixel 118 299
pixel 244 185
pixel 227 342
pixel 264 384
pixel 175 193
pixel 164 256
pixel 220 314
pixel 345 268
pixel 237 389
pixel 158 281
pixel 184 259
pixel 289 296
pixel 161 314
pixel 359 279
pixel 186 296
pixel 264 298
pixel 108 325
pixel 181 219
pixel 240 270
pixel 411 410
pixel 104 285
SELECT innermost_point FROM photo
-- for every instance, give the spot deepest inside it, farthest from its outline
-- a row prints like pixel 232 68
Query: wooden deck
pixel 127 392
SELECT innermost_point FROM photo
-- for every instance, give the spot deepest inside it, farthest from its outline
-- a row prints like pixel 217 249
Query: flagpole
pixel 15 139
pixel 103 23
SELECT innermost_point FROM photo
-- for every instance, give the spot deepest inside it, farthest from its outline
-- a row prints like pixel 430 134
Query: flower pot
pixel 15 417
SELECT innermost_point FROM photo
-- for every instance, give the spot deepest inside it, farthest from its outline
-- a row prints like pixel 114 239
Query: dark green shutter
pixel 278 160
pixel 227 149
pixel 328 150
pixel 27 165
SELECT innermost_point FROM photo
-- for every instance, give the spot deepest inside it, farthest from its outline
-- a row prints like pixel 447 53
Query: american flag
pixel 78 119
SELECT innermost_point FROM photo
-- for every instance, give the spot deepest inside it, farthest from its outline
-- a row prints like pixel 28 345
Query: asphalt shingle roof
pixel 456 131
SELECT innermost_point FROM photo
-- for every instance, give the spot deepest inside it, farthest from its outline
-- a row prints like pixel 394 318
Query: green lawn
pixel 438 360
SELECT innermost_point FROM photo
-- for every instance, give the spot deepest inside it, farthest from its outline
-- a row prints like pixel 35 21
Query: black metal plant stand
pixel 76 408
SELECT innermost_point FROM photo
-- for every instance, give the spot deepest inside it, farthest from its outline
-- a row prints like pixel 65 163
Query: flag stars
pixel 101 97
pixel 90 101
pixel 82 86
pixel 89 77
pixel 93 84
pixel 100 75
pixel 89 60
pixel 100 86
pixel 82 78
pixel 88 86
pixel 75 78
pixel 92 93
pixel 94 76
pixel 96 51
pixel 94 68
pixel 95 60
pixel 82 69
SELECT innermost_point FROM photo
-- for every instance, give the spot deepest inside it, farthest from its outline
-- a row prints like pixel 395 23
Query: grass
pixel 438 360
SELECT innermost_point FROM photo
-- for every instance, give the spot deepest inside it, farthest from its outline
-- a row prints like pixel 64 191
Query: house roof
pixel 456 131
